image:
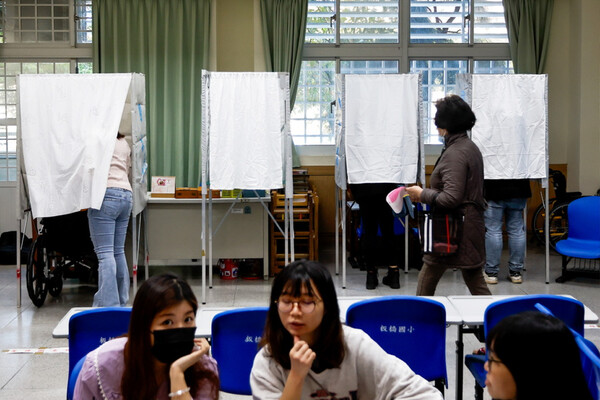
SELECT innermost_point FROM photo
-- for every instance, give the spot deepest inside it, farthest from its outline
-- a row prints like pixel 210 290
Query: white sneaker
pixel 515 277
pixel 490 279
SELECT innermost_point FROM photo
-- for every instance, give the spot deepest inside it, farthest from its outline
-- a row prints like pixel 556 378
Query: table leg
pixel 459 363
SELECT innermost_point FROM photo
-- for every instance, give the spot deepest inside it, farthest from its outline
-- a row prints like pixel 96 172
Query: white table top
pixel 468 310
pixel 198 200
pixel 205 315
pixel 204 319
pixel 472 308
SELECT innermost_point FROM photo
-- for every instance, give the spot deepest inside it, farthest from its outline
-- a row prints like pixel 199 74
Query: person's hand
pixel 301 357
pixel 414 192
pixel 183 363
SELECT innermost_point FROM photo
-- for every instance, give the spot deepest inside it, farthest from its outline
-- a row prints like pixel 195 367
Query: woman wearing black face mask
pixel 159 357
pixel 456 185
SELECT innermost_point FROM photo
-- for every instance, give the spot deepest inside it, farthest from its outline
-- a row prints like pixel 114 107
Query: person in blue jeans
pixel 506 200
pixel 108 228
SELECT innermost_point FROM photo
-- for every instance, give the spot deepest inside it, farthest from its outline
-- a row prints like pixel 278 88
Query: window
pixel 35 21
pixel 57 42
pixel 438 38
pixel 83 21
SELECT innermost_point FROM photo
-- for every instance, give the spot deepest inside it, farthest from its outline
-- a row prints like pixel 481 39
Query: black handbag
pixel 440 231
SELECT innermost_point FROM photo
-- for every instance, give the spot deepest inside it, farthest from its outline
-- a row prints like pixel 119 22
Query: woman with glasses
pixel 306 352
pixel 534 356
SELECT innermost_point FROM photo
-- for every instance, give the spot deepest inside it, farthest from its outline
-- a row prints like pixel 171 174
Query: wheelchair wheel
pixel 37 272
pixel 538 221
pixel 559 224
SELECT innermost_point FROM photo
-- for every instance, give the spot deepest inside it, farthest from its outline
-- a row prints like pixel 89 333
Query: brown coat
pixel 457 179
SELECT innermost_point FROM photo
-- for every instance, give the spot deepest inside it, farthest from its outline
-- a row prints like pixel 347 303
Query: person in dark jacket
pixel 506 200
pixel 456 183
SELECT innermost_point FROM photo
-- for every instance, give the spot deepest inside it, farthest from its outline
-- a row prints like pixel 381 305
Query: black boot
pixel 392 278
pixel 372 281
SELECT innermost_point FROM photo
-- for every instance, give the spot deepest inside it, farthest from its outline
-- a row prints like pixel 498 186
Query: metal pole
pixel 134 255
pixel 344 239
pixel 337 230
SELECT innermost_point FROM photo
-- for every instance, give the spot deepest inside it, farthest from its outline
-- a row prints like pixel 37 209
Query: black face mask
pixel 172 344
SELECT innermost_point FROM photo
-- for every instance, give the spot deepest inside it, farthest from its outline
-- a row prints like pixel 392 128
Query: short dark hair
pixel 540 352
pixel 329 343
pixel 454 114
pixel 154 295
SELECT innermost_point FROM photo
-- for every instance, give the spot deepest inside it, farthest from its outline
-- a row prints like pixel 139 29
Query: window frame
pixel 52 52
pixel 403 52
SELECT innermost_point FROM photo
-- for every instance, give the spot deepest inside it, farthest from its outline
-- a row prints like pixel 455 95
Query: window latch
pixel 467 18
pixel 331 105
pixel 331 19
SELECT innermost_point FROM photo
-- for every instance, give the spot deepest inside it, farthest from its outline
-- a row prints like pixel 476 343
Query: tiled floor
pixel 44 376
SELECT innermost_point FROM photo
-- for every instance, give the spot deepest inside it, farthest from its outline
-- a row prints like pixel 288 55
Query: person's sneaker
pixel 372 280
pixel 490 279
pixel 392 278
pixel 515 277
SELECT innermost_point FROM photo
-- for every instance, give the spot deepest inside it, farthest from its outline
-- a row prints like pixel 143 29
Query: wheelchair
pixel 62 249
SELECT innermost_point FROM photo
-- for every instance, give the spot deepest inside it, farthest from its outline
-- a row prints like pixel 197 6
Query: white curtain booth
pixel 512 128
pixel 378 138
pixel 246 143
pixel 65 140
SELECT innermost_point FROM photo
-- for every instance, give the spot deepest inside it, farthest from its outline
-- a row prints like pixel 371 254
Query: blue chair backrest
pixel 235 338
pixel 73 378
pixel 584 214
pixel 590 358
pixel 411 328
pixel 91 328
pixel 590 362
pixel 569 310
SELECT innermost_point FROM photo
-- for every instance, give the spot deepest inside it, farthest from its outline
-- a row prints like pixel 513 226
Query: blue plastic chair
pixel 409 327
pixel 235 337
pixel 90 328
pixel 73 378
pixel 584 234
pixel 590 358
pixel 570 311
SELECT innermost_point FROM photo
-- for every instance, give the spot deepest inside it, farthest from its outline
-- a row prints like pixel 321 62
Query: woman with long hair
pixel 307 353
pixel 534 356
pixel 159 357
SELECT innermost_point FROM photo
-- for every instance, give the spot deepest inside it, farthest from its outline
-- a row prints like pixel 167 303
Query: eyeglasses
pixel 491 361
pixel 286 306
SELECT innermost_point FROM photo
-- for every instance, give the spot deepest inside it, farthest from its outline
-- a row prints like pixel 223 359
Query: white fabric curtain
pixel 68 129
pixel 245 125
pixel 512 125
pixel 381 124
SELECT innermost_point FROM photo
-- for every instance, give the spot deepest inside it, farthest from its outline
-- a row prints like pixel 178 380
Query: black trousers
pixel 376 214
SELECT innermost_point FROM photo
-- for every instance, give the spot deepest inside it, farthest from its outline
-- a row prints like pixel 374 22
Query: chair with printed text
pixel 234 344
pixel 582 245
pixel 415 332
pixel 569 310
pixel 88 330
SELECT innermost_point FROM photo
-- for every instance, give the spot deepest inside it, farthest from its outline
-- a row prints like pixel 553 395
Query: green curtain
pixel 168 41
pixel 528 23
pixel 284 27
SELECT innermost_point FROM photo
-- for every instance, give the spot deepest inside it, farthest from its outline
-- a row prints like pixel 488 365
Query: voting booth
pixel 246 144
pixel 66 133
pixel 378 138
pixel 512 128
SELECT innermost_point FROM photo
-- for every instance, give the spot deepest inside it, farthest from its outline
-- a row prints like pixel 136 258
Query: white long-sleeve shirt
pixel 366 373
